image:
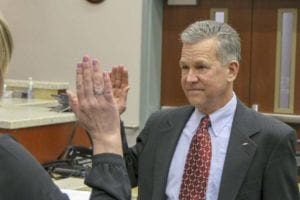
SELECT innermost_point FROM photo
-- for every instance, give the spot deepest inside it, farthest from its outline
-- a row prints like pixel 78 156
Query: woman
pixel 22 177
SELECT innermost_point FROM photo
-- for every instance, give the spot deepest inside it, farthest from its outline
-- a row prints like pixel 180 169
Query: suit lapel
pixel 240 152
pixel 166 144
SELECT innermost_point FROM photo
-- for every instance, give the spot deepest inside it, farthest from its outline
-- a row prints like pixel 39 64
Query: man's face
pixel 205 81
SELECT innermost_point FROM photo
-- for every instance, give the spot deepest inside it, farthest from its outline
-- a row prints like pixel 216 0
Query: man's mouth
pixel 195 89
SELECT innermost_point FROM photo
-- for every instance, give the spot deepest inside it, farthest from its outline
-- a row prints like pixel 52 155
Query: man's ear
pixel 233 70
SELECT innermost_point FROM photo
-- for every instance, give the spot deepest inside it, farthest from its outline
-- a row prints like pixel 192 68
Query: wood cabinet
pixel 47 142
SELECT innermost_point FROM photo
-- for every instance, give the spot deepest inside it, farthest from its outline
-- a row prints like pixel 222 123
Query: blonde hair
pixel 6 48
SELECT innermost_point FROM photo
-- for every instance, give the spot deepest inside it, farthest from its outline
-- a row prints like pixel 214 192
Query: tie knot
pixel 205 122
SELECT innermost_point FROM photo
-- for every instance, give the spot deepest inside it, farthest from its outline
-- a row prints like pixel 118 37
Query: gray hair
pixel 229 45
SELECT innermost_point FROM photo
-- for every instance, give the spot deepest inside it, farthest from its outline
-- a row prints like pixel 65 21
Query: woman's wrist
pixel 108 143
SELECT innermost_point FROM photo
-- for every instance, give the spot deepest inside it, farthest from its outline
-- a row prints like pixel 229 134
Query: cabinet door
pixel 47 143
pixel 176 18
pixel 275 44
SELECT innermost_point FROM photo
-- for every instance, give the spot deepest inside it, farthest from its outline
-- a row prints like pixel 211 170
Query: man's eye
pixel 184 67
pixel 200 67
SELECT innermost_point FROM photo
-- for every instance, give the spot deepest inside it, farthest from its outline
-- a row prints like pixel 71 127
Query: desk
pixel 43 132
pixel 73 183
pixel 77 184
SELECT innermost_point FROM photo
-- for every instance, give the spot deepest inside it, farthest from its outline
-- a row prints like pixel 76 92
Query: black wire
pixel 69 143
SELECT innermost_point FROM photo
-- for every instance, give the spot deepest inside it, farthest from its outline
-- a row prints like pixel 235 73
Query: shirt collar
pixel 219 119
pixel 223 116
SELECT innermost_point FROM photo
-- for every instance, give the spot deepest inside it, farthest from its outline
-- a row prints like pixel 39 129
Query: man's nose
pixel 191 76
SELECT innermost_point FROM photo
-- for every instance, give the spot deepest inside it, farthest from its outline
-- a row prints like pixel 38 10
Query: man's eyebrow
pixel 200 62
pixel 181 62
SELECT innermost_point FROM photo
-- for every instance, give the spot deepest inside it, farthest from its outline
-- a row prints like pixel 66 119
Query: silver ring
pixel 98 91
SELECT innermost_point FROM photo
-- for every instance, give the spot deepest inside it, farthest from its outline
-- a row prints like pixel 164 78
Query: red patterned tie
pixel 196 169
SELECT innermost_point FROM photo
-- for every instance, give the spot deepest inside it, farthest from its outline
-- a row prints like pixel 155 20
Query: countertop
pixel 37 84
pixel 287 118
pixel 23 113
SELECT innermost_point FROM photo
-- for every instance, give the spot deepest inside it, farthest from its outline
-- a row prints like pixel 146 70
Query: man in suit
pixel 252 156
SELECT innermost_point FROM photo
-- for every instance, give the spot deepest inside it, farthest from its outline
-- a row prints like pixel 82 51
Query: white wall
pixel 51 36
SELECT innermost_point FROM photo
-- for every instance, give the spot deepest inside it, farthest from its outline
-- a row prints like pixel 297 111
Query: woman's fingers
pixel 73 101
pixel 92 83
pixel 79 81
pixel 108 94
pixel 95 106
pixel 97 79
pixel 87 77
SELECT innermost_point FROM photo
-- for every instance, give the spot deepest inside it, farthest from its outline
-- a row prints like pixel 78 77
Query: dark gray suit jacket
pixel 23 178
pixel 260 161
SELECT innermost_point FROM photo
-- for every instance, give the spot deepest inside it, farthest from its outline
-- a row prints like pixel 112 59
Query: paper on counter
pixel 76 194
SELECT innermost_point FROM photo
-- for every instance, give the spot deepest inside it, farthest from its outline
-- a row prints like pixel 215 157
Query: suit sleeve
pixel 109 178
pixel 279 181
pixel 131 155
pixel 22 176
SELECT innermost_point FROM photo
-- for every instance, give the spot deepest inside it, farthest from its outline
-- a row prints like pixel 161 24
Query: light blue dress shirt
pixel 221 123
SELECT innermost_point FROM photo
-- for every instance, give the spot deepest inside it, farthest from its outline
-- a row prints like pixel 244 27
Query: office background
pixel 51 36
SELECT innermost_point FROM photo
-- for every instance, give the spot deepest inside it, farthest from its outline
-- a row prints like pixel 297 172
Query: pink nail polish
pixel 85 59
pixel 95 62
